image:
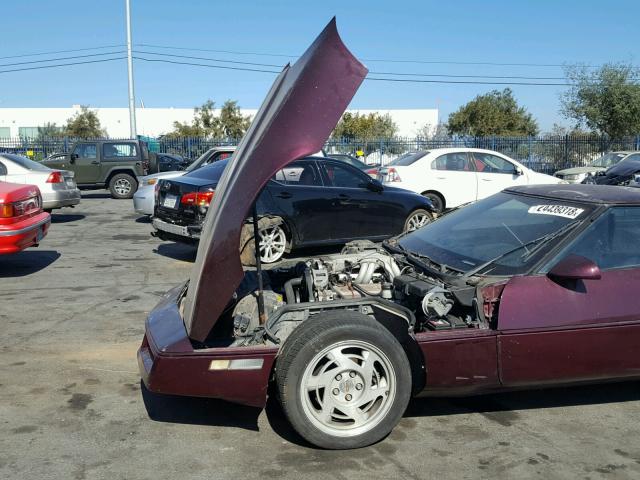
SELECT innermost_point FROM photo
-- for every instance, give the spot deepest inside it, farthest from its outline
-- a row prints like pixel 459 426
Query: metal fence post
pixel 189 147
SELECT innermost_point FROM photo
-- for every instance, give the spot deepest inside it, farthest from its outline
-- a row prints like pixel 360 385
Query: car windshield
pixel 24 162
pixel 407 159
pixel 211 172
pixel 506 225
pixel 608 160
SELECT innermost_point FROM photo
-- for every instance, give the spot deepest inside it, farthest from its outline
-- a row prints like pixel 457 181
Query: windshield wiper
pixel 539 242
pixel 420 260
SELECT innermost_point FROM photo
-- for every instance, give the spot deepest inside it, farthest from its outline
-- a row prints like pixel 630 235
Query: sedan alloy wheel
pixel 273 243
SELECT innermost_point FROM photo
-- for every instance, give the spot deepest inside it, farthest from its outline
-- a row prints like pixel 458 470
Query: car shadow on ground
pixel 66 217
pixel 198 411
pixel 26 262
pixel 177 251
pixel 501 408
pixel 144 219
pixel 96 194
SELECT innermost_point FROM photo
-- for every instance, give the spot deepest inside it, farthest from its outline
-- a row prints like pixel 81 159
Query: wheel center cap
pixel 347 386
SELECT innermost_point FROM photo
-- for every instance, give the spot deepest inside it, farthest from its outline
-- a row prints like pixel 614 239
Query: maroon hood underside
pixel 295 120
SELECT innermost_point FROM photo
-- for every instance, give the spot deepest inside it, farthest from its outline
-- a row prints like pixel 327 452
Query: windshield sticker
pixel 557 210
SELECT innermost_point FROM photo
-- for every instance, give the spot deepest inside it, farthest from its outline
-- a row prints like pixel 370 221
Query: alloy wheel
pixel 122 186
pixel 348 388
pixel 417 220
pixel 273 242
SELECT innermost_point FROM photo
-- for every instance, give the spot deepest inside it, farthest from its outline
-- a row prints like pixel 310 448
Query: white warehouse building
pixel 153 122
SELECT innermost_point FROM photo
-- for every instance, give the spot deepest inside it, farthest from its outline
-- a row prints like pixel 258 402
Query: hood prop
pixel 262 317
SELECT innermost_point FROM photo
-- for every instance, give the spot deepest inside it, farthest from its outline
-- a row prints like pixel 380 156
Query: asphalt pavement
pixel 71 405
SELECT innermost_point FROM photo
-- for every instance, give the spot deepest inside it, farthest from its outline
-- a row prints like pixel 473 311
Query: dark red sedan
pixel 22 222
pixel 535 286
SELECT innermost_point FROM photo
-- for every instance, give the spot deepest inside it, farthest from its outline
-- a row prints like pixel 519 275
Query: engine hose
pixel 288 289
pixel 361 273
pixel 364 292
pixel 371 267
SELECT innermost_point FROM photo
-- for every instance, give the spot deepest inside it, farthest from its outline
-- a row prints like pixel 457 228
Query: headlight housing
pixel 151 181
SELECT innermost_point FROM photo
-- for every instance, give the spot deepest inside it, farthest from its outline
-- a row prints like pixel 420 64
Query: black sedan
pixel 168 162
pixel 310 202
pixel 622 173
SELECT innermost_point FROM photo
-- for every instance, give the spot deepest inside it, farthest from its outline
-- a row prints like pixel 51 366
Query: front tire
pixel 122 185
pixel 417 219
pixel 344 381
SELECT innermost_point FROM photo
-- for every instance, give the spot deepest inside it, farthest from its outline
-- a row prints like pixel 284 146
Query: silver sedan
pixel 58 188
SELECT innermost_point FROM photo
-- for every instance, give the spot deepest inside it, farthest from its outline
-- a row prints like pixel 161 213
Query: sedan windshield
pixel 608 160
pixel 501 235
pixel 24 162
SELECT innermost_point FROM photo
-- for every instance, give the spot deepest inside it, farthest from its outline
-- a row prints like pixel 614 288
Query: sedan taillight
pixel 200 199
pixel 392 175
pixel 55 177
pixel 22 207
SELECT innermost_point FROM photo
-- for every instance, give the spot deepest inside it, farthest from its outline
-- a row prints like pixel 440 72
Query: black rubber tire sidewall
pixel 313 336
pixel 132 181
pixel 438 204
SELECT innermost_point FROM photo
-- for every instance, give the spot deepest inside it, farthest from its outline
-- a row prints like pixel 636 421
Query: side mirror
pixel 575 267
pixel 519 171
pixel 375 186
pixel 72 157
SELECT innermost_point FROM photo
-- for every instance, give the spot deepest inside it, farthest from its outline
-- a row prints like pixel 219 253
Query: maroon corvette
pixel 532 287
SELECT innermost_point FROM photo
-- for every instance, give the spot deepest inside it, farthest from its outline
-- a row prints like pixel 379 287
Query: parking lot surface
pixel 71 406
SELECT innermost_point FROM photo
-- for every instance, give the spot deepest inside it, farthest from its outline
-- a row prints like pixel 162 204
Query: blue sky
pixel 548 32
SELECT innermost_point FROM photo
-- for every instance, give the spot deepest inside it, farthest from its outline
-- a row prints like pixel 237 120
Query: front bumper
pixel 60 198
pixel 169 363
pixel 25 234
pixel 144 201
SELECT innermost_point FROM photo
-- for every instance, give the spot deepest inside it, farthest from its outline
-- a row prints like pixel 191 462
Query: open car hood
pixel 295 120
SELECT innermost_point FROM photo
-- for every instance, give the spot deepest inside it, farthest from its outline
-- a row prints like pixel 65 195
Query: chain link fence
pixel 543 154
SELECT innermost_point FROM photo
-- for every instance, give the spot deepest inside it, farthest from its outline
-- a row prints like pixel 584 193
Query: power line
pixel 409 74
pixel 59 59
pixel 408 80
pixel 224 67
pixel 209 59
pixel 62 65
pixel 380 60
pixel 61 51
pixel 470 82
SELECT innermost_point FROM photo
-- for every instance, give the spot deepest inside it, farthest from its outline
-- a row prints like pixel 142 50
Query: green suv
pixel 114 164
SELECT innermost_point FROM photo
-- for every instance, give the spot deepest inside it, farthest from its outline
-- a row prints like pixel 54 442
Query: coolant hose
pixel 288 289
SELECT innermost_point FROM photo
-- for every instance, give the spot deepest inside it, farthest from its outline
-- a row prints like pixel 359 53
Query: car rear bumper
pixel 182 232
pixel 25 234
pixel 169 364
pixel 61 198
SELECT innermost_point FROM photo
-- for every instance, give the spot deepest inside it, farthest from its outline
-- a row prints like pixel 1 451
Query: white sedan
pixel 57 187
pixel 450 177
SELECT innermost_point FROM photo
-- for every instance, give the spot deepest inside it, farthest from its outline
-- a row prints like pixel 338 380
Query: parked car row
pixel 23 223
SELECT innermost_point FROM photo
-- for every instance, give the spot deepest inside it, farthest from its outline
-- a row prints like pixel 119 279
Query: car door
pixel 561 330
pixel 86 164
pixel 118 153
pixel 298 195
pixel 495 173
pixel 358 212
pixel 453 176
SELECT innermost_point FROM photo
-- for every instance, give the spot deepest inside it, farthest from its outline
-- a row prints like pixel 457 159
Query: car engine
pixel 364 277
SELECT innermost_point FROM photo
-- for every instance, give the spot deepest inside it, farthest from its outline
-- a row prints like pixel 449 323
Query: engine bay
pixel 364 277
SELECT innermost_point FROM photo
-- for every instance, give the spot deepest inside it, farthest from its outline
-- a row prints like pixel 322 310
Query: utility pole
pixel 132 97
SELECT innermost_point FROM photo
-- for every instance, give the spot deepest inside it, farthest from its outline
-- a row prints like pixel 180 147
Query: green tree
pixel 50 130
pixel 494 113
pixel 84 124
pixel 230 123
pixel 354 126
pixel 606 100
